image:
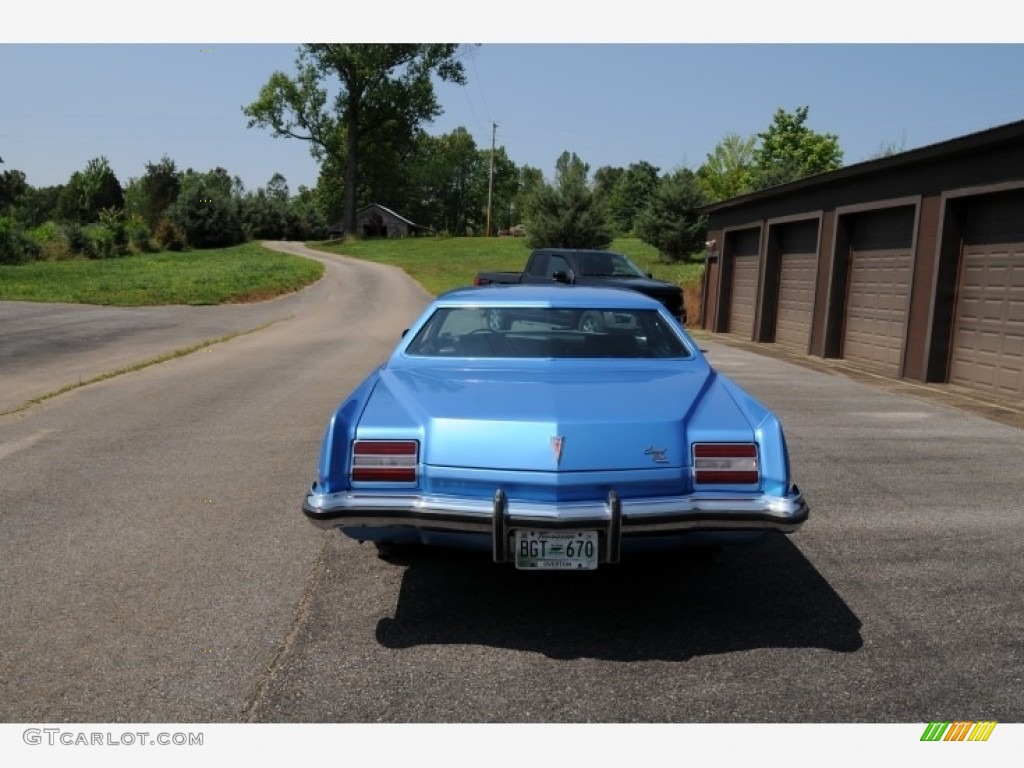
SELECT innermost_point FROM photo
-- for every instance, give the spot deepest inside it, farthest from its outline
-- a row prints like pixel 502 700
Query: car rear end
pixel 553 462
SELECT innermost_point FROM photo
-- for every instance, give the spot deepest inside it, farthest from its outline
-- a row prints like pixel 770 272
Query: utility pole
pixel 490 179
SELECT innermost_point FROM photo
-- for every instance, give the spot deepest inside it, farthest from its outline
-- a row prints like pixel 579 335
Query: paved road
pixel 153 553
pixel 45 347
pixel 156 567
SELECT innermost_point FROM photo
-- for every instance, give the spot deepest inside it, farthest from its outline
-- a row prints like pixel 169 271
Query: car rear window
pixel 546 332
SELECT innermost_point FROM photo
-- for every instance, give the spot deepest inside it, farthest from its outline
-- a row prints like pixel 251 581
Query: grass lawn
pixel 442 263
pixel 241 273
pixel 250 272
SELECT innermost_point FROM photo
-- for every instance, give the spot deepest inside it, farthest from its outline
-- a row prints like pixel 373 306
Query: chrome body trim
pixel 614 517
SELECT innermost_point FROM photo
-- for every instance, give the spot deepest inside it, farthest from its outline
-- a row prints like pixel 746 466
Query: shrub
pixel 15 246
pixel 169 236
pixel 104 244
pixel 78 240
pixel 53 243
pixel 47 232
pixel 138 234
pixel 113 222
pixel 56 250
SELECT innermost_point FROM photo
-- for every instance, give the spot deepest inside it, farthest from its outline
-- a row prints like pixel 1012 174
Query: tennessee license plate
pixel 556 550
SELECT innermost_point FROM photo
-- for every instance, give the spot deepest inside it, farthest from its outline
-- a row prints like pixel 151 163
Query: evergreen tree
pixel 566 214
pixel 670 222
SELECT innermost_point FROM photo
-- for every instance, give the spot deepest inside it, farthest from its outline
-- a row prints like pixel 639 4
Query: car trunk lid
pixel 550 419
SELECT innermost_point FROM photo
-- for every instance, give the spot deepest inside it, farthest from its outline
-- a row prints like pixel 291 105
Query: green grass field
pixel 250 272
pixel 442 263
pixel 241 273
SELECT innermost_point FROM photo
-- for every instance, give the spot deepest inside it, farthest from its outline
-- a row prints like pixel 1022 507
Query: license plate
pixel 556 550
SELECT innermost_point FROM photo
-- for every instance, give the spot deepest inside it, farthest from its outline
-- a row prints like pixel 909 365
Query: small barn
pixel 375 220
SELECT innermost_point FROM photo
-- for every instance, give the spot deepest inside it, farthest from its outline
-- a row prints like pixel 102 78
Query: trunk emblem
pixel 557 443
pixel 657 454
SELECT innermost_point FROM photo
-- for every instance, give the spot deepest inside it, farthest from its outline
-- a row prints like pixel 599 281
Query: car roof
pixel 543 295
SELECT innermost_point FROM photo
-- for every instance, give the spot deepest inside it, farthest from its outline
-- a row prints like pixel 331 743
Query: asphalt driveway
pixel 157 567
pixel 45 347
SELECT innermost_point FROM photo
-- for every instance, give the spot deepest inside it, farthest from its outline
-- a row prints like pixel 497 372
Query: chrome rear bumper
pixel 613 517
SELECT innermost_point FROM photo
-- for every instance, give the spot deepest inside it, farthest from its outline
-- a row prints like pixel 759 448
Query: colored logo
pixel 959 731
pixel 557 443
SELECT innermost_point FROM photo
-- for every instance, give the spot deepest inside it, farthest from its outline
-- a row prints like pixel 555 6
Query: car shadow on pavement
pixel 668 606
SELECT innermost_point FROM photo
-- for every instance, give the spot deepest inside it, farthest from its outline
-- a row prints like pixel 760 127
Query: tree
pixel 385 91
pixel 268 213
pixel 159 188
pixel 670 222
pixel 15 246
pixel 308 218
pixel 90 191
pixel 504 212
pixel 12 187
pixel 277 188
pixel 728 170
pixel 566 214
pixel 206 211
pixel 329 194
pixel 630 194
pixel 37 205
pixel 789 150
pixel 605 179
pixel 450 183
pixel 530 180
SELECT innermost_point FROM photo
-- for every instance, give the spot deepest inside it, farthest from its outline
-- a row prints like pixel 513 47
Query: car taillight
pixel 725 463
pixel 385 461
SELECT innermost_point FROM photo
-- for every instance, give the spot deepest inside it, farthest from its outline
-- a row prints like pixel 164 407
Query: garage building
pixel 911 265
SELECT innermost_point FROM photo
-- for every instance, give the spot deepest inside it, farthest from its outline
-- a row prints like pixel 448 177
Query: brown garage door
pixel 744 295
pixel 988 333
pixel 879 287
pixel 799 246
pixel 744 246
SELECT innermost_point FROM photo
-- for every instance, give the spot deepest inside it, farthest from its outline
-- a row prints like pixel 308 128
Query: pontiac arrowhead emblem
pixel 557 444
pixel 658 455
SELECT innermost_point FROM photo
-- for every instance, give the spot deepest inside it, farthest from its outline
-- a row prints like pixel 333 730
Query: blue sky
pixel 612 103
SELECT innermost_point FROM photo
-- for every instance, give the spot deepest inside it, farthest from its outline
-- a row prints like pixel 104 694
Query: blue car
pixel 587 427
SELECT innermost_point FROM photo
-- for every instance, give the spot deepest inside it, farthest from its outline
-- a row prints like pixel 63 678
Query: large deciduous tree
pixel 728 170
pixel 790 150
pixel 90 191
pixel 384 93
pixel 449 180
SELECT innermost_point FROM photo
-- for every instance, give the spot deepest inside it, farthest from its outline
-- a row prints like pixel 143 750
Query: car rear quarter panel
pixel 334 452
pixel 729 414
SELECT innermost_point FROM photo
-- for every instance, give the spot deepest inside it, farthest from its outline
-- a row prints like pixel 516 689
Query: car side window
pixel 556 264
pixel 538 264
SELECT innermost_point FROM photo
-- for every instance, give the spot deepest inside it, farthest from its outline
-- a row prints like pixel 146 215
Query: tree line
pixel 93 215
pixel 363 109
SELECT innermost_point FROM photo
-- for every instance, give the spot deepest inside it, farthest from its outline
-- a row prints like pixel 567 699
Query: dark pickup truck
pixel 590 267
